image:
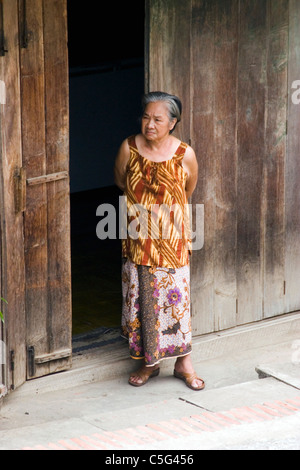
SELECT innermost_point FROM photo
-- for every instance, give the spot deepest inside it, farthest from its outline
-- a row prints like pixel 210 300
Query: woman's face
pixel 156 124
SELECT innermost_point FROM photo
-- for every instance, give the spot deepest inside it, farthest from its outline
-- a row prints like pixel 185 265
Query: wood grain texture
pixel 35 232
pixel 58 207
pixel 169 43
pixel 243 57
pixel 13 272
pixel 273 188
pixel 225 155
pixel 251 148
pixel 292 173
pixel 34 160
pixel 202 133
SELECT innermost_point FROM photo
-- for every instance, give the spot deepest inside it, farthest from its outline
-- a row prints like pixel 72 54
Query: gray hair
pixel 172 101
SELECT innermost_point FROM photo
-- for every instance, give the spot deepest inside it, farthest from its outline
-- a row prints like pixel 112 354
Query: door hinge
pixel 34 361
pixel 20 190
pixel 12 368
pixel 31 361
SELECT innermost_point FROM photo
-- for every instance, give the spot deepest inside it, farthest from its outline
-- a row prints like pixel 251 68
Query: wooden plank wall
pixel 170 42
pixel 237 65
pixel 273 184
pixel 292 173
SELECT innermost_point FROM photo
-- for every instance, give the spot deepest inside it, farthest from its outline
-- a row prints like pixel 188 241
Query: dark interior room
pixel 106 65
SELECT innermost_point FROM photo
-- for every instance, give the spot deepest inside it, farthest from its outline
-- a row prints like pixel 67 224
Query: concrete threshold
pixel 103 355
pixel 254 335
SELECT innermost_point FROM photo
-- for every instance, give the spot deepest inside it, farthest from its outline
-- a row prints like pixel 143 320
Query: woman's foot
pixel 141 377
pixel 184 370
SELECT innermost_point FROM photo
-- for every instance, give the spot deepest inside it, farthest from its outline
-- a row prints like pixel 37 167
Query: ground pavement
pixel 251 402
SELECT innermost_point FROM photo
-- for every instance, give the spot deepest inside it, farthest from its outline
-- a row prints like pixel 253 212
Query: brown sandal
pixel 144 376
pixel 188 379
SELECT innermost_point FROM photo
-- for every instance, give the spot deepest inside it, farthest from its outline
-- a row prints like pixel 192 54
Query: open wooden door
pixel 36 272
pixel 12 236
pixel 45 132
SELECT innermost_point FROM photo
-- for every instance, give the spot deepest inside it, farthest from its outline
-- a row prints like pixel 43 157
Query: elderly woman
pixel 157 171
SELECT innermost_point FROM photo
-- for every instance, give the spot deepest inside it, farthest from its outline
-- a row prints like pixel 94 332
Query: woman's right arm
pixel 121 164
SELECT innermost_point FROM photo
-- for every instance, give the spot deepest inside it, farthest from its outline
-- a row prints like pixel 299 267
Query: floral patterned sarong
pixel 156 311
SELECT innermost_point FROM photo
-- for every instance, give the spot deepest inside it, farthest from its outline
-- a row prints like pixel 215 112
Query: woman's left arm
pixel 121 164
pixel 190 165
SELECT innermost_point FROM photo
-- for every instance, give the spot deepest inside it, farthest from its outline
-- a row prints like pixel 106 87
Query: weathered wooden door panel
pixel 44 78
pixel 242 59
pixel 34 189
pixel 57 141
pixel 34 161
pixel 12 253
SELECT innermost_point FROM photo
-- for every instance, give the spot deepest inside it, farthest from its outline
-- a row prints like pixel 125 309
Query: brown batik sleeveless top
pixel 157 210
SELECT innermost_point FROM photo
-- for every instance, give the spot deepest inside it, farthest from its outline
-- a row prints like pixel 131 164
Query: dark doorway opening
pixel 106 57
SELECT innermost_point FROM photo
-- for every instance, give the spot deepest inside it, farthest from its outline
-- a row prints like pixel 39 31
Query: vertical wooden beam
pixel 34 160
pixel 57 151
pixel 273 189
pixel 225 155
pixel 214 85
pixel 13 276
pixel 251 147
pixel 292 221
pixel 202 130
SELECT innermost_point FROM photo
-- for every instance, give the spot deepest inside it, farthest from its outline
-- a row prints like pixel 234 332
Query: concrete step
pixel 103 354
pixel 288 372
pixel 111 417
